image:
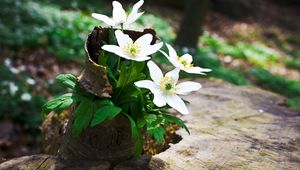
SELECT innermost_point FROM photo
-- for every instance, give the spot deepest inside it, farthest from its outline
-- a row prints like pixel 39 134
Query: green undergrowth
pixel 34 24
pixel 59 26
pixel 277 84
pixel 255 53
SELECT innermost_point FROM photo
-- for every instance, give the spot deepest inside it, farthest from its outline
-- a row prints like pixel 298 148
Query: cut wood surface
pixel 232 127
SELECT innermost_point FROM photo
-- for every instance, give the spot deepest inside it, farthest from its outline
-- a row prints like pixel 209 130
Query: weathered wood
pixel 236 127
pixel 232 127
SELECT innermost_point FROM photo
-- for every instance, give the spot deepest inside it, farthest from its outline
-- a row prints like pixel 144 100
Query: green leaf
pixel 102 59
pixel 67 80
pixel 83 115
pixel 106 110
pixel 123 76
pixel 150 118
pixel 141 122
pixel 176 120
pixel 157 133
pixel 60 103
pixel 136 135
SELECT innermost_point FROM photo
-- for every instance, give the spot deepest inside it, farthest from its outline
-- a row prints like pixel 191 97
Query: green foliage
pixel 106 109
pixel 136 135
pixel 293 64
pixel 163 29
pixel 85 5
pixel 67 80
pixel 176 120
pixel 83 116
pixel 275 83
pixel 294 103
pixel 34 24
pixel 13 106
pixel 255 53
pixel 220 46
pixel 60 103
pixel 207 59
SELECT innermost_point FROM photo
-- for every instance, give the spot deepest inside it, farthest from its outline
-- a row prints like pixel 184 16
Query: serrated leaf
pixel 158 134
pixel 137 137
pixel 105 112
pixel 150 118
pixel 82 117
pixel 67 80
pixel 176 120
pixel 60 103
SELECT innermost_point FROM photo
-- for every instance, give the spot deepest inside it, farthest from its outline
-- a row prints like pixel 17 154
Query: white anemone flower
pixel 120 17
pixel 13 88
pixel 26 97
pixel 165 88
pixel 138 50
pixel 184 62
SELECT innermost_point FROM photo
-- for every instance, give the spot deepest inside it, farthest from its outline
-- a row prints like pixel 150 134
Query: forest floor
pixel 281 34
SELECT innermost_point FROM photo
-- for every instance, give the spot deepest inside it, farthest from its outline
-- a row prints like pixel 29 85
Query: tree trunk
pixel 192 22
pixel 109 141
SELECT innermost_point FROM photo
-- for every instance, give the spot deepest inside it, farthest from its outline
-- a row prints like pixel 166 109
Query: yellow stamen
pixel 167 85
pixel 184 62
pixel 132 49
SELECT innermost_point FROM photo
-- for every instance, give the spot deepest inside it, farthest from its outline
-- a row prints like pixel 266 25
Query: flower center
pixel 184 62
pixel 167 85
pixel 132 49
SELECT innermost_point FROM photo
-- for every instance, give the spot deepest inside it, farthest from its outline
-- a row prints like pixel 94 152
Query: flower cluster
pixel 164 87
pixel 138 89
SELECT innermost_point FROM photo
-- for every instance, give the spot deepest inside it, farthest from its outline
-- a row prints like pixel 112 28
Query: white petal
pixel 143 58
pixel 119 14
pixel 103 18
pixel 187 57
pixel 197 70
pixel 122 38
pixel 148 85
pixel 174 74
pixel 150 49
pixel 134 15
pixel 114 49
pixel 144 40
pixel 186 87
pixel 159 99
pixel 155 72
pixel 172 60
pixel 132 18
pixel 172 52
pixel 177 103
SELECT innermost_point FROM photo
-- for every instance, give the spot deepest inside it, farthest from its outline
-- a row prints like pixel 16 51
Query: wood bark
pixel 111 140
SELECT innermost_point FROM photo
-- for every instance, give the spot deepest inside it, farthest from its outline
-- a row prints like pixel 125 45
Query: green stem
pixel 118 65
pixel 122 27
pixel 129 74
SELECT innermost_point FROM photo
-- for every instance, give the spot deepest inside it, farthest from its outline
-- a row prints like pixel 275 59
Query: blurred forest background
pixel 244 42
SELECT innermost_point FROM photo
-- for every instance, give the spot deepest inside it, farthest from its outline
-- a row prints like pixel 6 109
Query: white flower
pixel 30 81
pixel 138 50
pixel 184 62
pixel 119 15
pixel 26 97
pixel 164 88
pixel 13 88
pixel 7 62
